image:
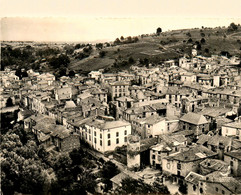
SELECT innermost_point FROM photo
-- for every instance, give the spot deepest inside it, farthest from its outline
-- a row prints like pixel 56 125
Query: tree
pixel 158 31
pixel 9 102
pixel 117 41
pixel 77 46
pixel 99 45
pixel 232 27
pixel 71 73
pixel 102 53
pixel 203 34
pixel 199 47
pixel 133 186
pixel 189 34
pixel 108 171
pixel 189 40
pixel 206 50
pixel 203 41
pixel 183 188
pixel 131 60
pixel 122 38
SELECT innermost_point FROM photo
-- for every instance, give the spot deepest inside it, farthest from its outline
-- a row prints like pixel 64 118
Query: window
pixel 109 143
pixel 89 137
pixel 100 136
pixel 95 140
pixel 108 135
pixel 125 139
pixel 194 187
pixel 125 132
pixel 117 134
pixel 178 166
pixel 231 163
pixel 117 141
pixel 201 190
pixel 153 156
pixel 168 165
pixel 101 142
pixel 223 192
pixel 95 133
pixel 216 189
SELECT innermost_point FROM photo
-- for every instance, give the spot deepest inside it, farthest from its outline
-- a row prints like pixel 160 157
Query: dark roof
pixel 217 139
pixel 203 138
pixel 194 118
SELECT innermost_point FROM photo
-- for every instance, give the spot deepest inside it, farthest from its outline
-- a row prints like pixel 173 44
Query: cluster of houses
pixel 182 117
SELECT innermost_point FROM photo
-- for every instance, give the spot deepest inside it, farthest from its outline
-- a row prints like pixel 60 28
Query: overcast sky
pixel 90 20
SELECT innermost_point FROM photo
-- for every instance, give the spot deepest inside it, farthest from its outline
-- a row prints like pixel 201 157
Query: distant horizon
pixel 97 29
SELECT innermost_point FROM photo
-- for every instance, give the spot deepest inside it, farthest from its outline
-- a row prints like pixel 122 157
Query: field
pixel 169 45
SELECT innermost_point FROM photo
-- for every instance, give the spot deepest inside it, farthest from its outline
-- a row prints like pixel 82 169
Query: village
pixel 175 124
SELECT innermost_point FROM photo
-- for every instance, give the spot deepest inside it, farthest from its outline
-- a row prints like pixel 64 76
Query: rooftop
pixel 194 118
pixel 193 154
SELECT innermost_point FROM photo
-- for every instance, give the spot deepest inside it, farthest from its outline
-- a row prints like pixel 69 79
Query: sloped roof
pixel 203 138
pixel 236 125
pixel 235 154
pixel 217 139
pixel 231 183
pixel 118 178
pixel 215 165
pixel 193 177
pixel 70 104
pixel 194 118
pixel 193 154
pixel 151 120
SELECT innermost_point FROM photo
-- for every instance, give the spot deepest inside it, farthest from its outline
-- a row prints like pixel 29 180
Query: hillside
pixel 169 45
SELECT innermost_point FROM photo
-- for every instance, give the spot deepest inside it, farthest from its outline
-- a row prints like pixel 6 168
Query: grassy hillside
pixel 169 45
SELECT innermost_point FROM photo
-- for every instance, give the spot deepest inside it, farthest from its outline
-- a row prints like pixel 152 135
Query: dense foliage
pixel 132 186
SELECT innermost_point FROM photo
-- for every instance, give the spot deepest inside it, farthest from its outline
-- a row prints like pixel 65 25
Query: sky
pixel 91 20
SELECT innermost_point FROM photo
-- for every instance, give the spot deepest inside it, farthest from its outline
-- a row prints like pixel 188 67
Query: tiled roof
pixel 203 138
pixel 231 183
pixel 215 165
pixel 235 154
pixel 217 139
pixel 194 118
pixel 236 125
pixel 193 154
pixel 193 178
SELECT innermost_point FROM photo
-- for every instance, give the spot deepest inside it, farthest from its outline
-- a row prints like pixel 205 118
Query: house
pixel 157 152
pixel 219 144
pixel 193 121
pixel 233 158
pixel 181 163
pixel 64 140
pixel 211 165
pixel 188 77
pixel 150 126
pixel 138 112
pixel 192 180
pixel 119 89
pixel 63 93
pixel 104 135
pixel 215 183
pixel 117 179
pixel 232 130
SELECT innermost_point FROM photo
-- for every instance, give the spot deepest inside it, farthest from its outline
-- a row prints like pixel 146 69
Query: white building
pixel 105 136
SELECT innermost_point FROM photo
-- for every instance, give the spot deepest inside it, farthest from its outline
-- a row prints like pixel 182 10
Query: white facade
pixel 106 139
